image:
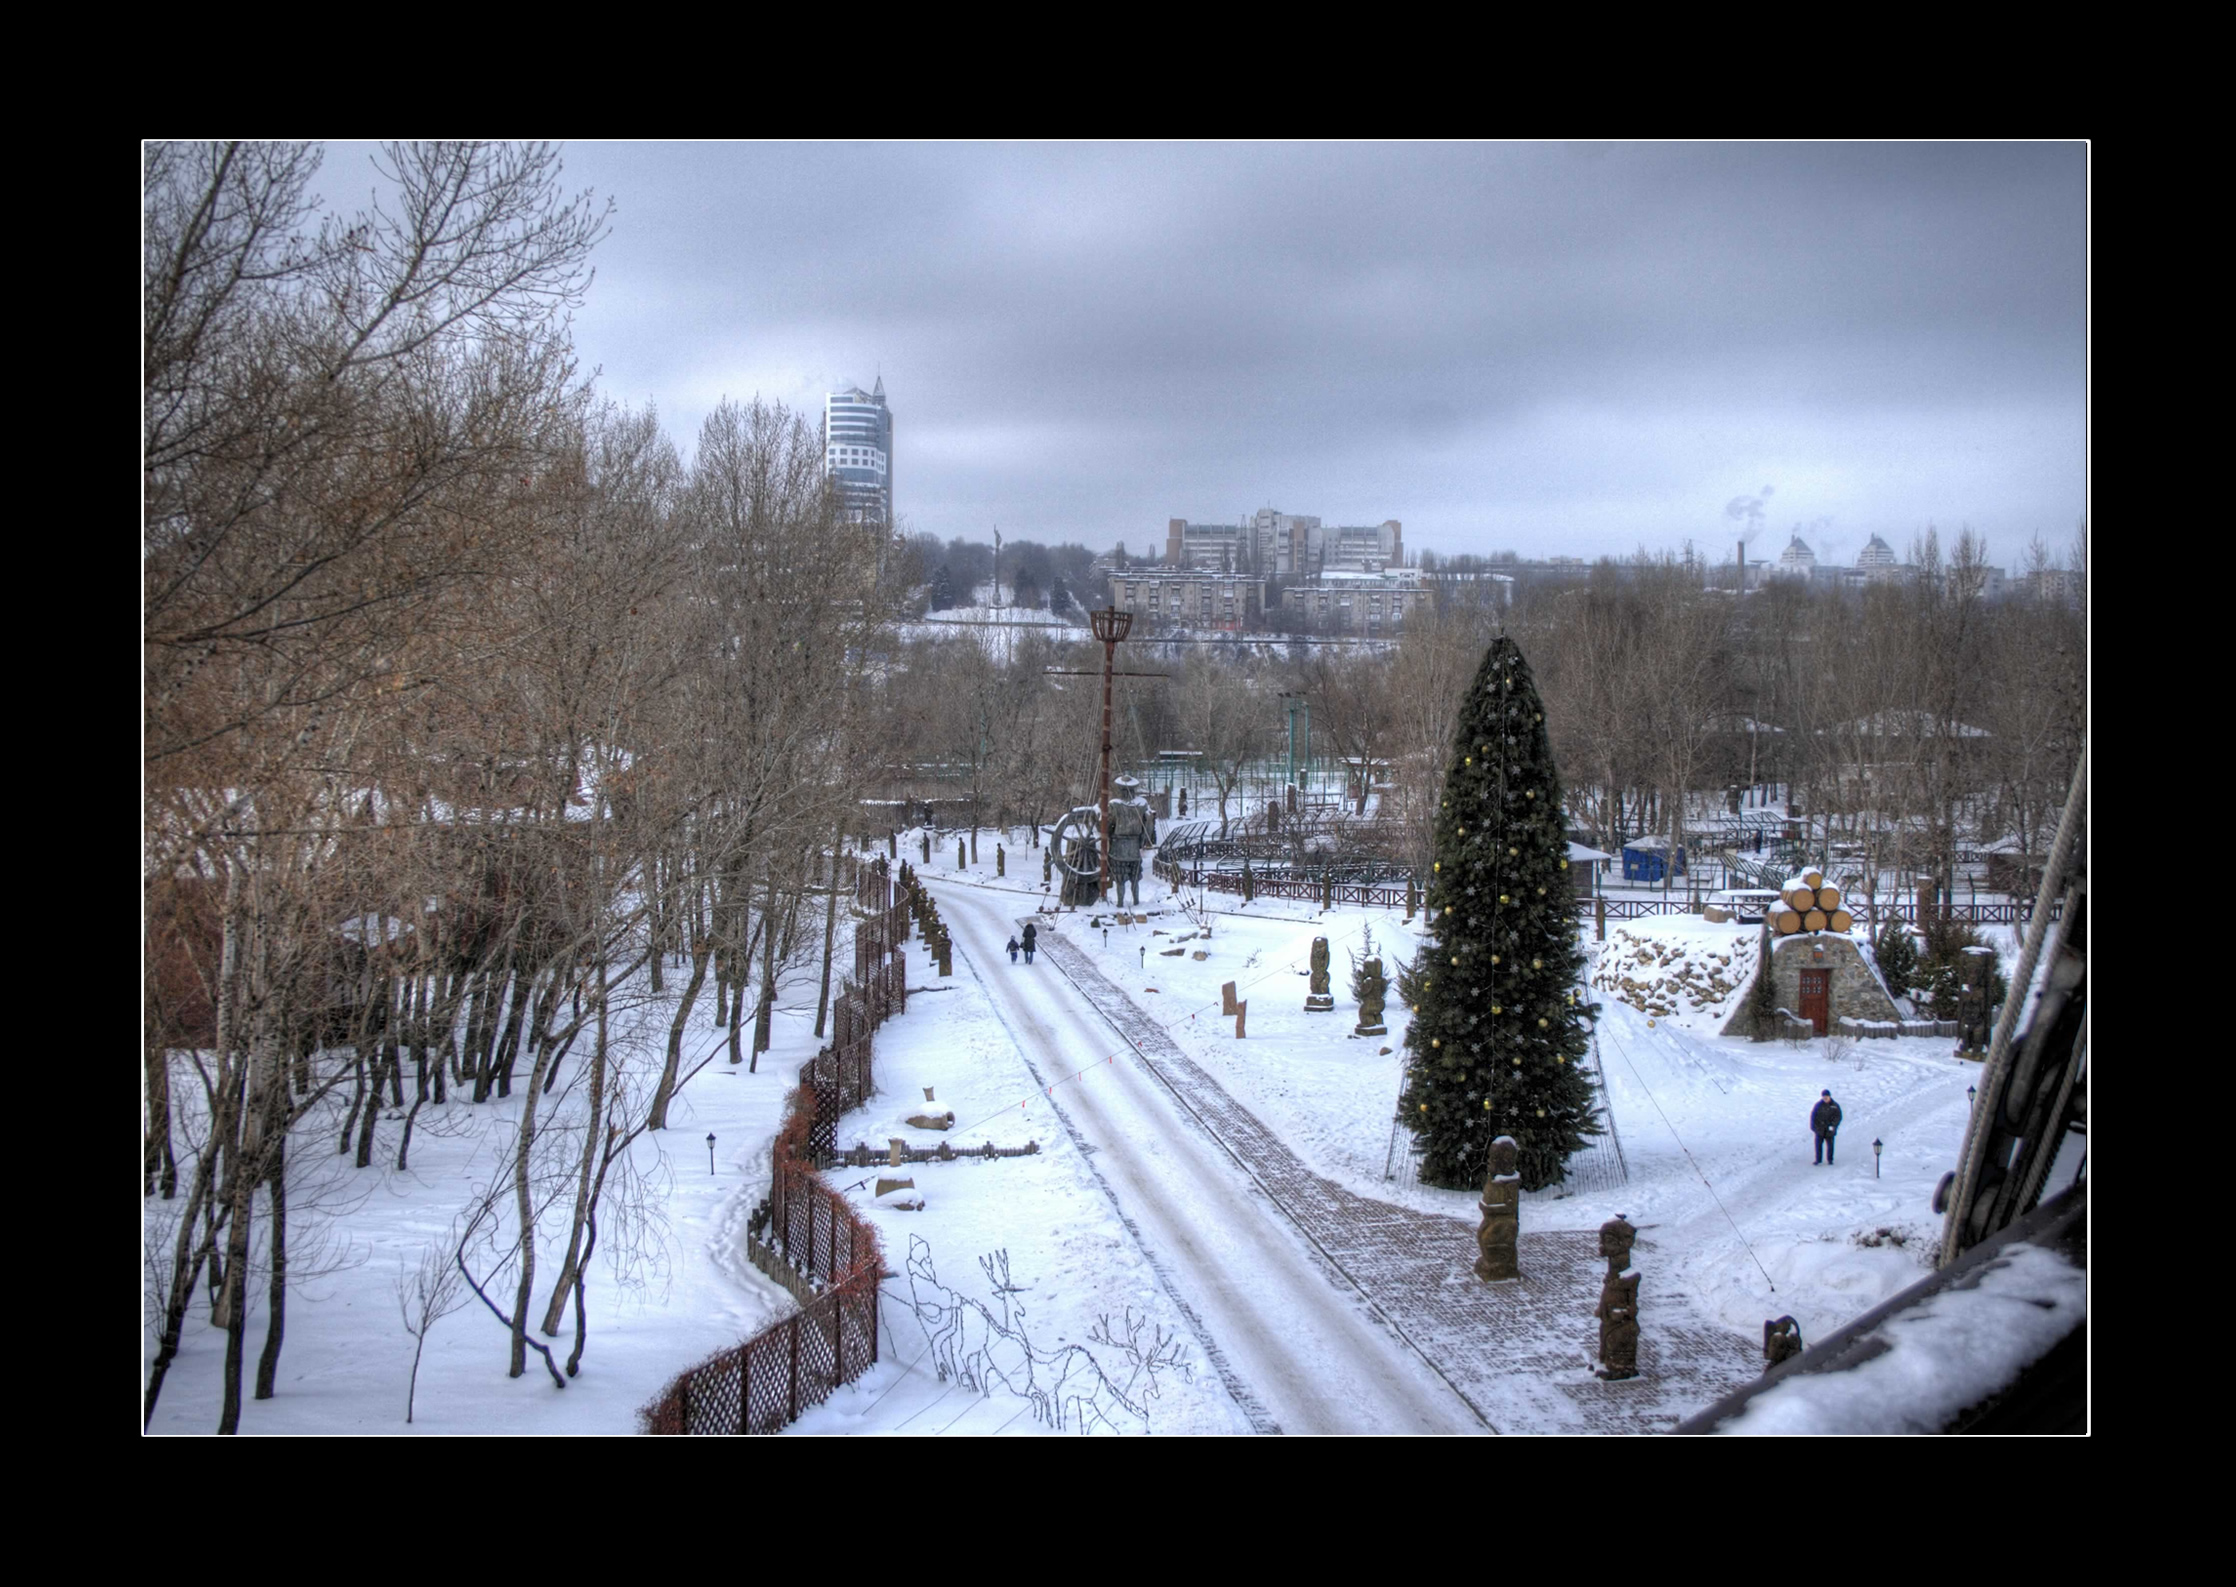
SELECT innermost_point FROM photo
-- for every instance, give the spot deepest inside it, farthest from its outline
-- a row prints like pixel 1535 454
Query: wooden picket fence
pixel 763 1384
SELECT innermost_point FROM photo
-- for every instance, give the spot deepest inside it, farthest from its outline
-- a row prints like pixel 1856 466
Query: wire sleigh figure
pixel 985 1347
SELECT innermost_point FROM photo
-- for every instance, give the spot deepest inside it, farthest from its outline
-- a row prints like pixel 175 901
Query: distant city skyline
pixel 1549 348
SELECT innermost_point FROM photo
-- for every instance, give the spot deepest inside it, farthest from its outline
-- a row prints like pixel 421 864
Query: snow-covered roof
pixel 1906 724
pixel 1577 851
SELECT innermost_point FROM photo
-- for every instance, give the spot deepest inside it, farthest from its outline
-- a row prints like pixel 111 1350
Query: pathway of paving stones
pixel 1521 1351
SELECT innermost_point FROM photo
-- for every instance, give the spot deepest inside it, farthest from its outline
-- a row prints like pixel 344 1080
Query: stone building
pixel 1824 978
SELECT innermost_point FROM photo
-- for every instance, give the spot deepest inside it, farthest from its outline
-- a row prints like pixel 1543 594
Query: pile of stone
pixel 1661 979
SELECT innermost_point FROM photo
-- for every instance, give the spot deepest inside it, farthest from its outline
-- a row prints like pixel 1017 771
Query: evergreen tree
pixel 1762 997
pixel 1499 1028
pixel 943 591
pixel 1897 957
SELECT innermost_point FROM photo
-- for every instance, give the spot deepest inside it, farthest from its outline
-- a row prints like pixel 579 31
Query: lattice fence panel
pixel 714 1393
pixel 818 1362
pixel 769 1379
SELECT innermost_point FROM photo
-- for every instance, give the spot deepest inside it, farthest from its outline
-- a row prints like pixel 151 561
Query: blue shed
pixel 1646 860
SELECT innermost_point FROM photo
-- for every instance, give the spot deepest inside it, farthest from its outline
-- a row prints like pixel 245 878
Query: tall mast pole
pixel 1110 626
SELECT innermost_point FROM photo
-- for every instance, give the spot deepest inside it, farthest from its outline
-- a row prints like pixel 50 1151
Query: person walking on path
pixel 1824 1123
pixel 1013 950
pixel 1032 932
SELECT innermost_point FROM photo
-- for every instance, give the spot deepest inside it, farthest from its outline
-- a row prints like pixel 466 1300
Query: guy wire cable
pixel 1688 1151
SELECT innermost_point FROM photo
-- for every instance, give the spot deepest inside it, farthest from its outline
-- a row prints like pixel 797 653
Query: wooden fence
pixel 762 1385
pixel 1396 895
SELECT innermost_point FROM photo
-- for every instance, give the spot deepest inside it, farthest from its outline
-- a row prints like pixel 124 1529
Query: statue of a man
pixel 1618 1301
pixel 1320 999
pixel 1781 1341
pixel 1372 988
pixel 1500 1235
pixel 1133 826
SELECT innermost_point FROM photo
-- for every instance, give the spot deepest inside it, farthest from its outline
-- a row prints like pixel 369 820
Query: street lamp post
pixel 1110 627
pixel 1876 1147
pixel 710 1151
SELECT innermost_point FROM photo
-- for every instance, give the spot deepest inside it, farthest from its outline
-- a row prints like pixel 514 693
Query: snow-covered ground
pixel 1714 1131
pixel 1132 1236
pixel 354 1231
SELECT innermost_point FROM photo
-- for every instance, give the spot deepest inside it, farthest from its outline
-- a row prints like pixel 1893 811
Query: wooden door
pixel 1816 998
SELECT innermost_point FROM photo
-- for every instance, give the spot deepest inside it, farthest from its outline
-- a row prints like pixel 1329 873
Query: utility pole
pixel 1110 626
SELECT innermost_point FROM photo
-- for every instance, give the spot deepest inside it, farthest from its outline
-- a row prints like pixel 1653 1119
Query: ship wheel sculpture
pixel 1076 843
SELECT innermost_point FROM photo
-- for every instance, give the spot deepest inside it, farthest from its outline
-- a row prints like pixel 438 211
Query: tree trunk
pixel 830 929
pixel 508 1050
pixel 160 1167
pixel 275 1321
pixel 593 1141
pixel 657 1117
pixel 371 1116
pixel 187 1259
pixel 766 1007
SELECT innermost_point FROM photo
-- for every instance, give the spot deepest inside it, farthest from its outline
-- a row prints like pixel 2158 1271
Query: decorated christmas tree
pixel 1499 1029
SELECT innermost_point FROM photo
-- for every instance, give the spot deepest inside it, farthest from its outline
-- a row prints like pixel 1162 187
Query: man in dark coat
pixel 1031 935
pixel 1824 1123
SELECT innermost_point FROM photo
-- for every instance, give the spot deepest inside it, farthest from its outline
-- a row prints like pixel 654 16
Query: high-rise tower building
pixel 858 451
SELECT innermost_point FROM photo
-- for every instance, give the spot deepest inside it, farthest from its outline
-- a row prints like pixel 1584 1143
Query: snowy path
pixel 1302 1355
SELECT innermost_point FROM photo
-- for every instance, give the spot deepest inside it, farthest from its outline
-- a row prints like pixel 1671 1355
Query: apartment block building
pixel 1229 601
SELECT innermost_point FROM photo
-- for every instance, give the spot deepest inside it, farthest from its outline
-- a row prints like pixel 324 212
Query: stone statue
pixel 1618 1302
pixel 1501 1230
pixel 1320 1001
pixel 1372 989
pixel 1133 825
pixel 1781 1341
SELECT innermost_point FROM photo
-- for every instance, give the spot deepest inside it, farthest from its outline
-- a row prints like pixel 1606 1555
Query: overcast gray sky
pixel 1553 348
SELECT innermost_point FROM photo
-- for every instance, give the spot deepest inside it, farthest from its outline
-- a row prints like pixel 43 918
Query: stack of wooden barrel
pixel 1810 903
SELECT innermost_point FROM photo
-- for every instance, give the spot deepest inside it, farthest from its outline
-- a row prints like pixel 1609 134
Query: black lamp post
pixel 1876 1147
pixel 1971 1096
pixel 710 1151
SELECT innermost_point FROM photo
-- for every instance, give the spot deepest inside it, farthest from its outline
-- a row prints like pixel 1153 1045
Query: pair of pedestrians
pixel 1032 934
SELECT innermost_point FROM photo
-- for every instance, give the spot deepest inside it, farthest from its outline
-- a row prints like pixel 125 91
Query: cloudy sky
pixel 1552 348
